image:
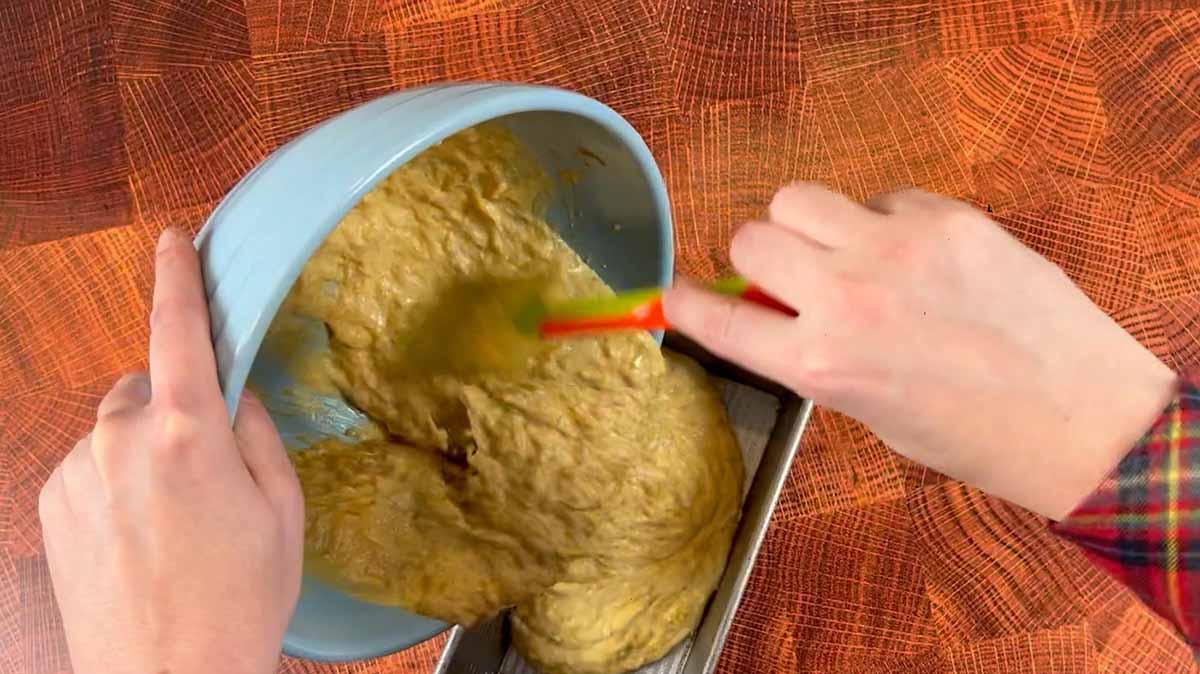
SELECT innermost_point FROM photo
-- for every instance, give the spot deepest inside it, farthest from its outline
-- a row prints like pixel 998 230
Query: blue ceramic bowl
pixel 257 240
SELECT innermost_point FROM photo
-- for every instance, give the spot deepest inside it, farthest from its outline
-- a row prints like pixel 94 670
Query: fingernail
pixel 168 238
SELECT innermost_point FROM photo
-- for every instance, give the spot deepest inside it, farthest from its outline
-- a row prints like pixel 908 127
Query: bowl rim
pixel 455 106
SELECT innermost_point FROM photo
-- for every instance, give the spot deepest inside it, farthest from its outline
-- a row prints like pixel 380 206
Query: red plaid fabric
pixel 1142 524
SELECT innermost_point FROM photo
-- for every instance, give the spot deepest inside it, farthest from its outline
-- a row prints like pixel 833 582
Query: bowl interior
pixel 606 209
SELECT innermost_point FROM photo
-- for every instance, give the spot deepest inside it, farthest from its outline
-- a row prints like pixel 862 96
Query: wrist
pixel 1112 420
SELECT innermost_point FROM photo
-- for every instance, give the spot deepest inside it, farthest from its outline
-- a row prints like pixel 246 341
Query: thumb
pixel 264 456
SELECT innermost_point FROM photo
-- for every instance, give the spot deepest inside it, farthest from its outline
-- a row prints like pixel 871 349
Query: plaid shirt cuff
pixel 1142 524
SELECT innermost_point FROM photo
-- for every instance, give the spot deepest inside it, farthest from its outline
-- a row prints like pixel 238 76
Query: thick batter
pixel 593 484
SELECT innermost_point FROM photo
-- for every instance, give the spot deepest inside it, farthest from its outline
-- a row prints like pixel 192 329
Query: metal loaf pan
pixel 758 409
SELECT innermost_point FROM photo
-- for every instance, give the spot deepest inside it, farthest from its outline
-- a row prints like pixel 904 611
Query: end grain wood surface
pixel 1076 121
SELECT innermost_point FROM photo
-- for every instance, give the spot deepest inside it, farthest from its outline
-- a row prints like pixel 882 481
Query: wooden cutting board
pixel 1074 121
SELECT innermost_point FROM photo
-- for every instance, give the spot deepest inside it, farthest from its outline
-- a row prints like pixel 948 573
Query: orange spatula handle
pixel 637 310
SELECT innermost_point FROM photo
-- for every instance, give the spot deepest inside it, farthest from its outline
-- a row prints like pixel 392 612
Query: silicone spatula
pixel 639 309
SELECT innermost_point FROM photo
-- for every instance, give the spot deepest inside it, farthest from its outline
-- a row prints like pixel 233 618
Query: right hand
pixel 960 347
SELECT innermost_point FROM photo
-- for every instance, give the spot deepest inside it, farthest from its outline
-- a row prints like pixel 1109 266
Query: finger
pixel 754 337
pixel 264 455
pixel 132 391
pixel 825 216
pixel 183 371
pixel 781 261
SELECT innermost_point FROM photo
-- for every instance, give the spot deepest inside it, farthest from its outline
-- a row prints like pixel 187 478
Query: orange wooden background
pixel 1077 121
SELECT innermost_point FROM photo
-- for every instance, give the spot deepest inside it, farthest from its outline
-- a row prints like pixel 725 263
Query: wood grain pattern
pixel 701 35
pixel 1147 75
pixel 608 49
pixel 160 36
pixel 331 79
pixel 499 49
pixel 285 25
pixel 190 135
pixel 1076 121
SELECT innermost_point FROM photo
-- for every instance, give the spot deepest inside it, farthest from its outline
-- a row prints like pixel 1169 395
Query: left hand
pixel 173 539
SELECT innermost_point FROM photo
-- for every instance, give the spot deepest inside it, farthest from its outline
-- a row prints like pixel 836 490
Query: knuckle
pixel 742 249
pixel 109 456
pixel 177 433
pixel 802 187
pixel 915 201
pixel 131 378
pixel 790 194
pixel 906 196
pixel 106 435
pixel 779 201
pixel 125 390
pixel 917 195
pixel 896 201
pixel 956 216
pixel 106 446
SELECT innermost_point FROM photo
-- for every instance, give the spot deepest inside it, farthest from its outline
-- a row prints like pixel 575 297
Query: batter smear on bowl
pixel 592 484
